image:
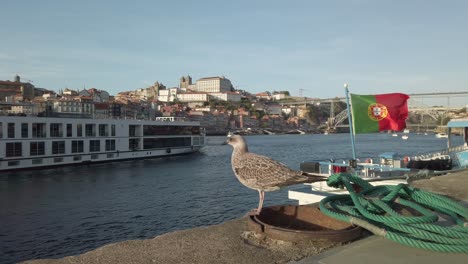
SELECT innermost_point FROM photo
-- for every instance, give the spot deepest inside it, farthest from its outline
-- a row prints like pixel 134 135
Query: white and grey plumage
pixel 262 173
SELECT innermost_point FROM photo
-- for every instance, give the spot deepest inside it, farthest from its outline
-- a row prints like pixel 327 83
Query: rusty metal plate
pixel 301 223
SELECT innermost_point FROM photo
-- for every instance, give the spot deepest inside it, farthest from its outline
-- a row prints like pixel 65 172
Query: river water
pixel 67 211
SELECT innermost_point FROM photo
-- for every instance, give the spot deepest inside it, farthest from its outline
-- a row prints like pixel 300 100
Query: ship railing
pixel 442 153
pixel 170 119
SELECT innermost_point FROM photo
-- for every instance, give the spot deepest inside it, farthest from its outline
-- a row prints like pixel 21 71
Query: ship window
pixel 38 130
pixel 36 148
pixel 13 149
pixel 110 155
pixel 79 130
pixel 58 159
pixel 133 143
pixel 37 161
pixel 56 130
pixel 153 143
pixel 13 163
pixel 112 130
pixel 110 144
pixel 69 130
pixel 77 146
pixel 132 131
pixel 58 147
pixel 95 156
pixel 11 130
pixel 150 130
pixel 75 158
pixel 24 130
pixel 103 130
pixel 94 145
pixel 90 130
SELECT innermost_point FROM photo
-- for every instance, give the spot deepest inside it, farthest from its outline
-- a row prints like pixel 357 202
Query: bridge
pixel 415 105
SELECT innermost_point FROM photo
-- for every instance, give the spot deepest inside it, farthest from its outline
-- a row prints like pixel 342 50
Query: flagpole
pixel 351 132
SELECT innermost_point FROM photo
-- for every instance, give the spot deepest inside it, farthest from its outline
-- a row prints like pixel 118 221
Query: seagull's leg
pixel 261 196
pixel 260 203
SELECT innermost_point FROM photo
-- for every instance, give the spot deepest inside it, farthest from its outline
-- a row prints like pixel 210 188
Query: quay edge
pixel 223 243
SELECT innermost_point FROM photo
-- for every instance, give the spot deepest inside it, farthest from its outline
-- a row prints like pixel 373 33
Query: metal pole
pixel 351 129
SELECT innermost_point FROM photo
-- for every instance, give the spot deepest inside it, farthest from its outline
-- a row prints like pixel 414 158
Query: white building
pixel 228 96
pixel 23 108
pixel 213 85
pixel 279 96
pixel 193 97
pixel 264 95
pixel 168 95
pixel 75 105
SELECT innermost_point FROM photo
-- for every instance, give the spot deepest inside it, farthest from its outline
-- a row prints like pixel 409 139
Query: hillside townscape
pixel 213 101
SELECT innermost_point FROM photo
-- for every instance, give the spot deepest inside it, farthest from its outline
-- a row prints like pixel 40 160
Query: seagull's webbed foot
pixel 253 212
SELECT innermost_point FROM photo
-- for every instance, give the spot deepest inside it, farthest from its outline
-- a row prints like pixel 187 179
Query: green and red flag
pixel 374 113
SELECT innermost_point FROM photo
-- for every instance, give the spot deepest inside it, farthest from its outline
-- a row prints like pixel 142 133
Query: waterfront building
pixel 273 109
pixel 101 110
pixel 18 108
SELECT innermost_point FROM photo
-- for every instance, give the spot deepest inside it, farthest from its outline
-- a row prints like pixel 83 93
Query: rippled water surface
pixel 67 211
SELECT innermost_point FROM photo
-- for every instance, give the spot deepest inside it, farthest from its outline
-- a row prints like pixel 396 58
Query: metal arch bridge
pixel 413 106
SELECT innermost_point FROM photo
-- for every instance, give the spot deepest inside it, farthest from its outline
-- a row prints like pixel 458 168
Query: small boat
pixel 404 137
pixel 394 135
pixel 295 131
pixel 406 131
pixel 441 135
pixel 453 157
pixel 388 171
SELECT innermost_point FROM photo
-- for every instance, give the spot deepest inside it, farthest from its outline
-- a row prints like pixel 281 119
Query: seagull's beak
pixel 227 140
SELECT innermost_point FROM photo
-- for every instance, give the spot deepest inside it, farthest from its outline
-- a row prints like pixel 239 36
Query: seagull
pixel 262 173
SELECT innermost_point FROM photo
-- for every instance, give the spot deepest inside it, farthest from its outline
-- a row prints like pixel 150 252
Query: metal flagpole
pixel 351 129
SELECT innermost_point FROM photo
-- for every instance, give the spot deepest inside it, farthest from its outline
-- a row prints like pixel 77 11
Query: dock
pixel 231 242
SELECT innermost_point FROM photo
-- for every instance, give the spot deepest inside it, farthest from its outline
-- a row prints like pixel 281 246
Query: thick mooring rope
pixel 373 209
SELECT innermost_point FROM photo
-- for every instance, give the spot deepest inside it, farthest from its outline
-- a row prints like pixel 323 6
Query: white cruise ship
pixel 38 142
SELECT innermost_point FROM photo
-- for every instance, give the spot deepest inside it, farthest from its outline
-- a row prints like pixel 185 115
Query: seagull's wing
pixel 263 172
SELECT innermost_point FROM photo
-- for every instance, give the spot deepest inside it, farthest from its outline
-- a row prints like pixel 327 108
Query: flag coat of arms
pixel 374 113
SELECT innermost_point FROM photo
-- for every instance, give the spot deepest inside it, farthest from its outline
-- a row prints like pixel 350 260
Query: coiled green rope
pixel 373 209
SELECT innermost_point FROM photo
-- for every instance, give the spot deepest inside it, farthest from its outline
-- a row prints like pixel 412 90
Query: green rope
pixel 374 209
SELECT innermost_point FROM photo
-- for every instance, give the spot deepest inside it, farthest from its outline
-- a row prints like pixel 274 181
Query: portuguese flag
pixel 374 113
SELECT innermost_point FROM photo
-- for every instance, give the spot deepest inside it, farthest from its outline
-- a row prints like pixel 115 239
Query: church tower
pixel 185 81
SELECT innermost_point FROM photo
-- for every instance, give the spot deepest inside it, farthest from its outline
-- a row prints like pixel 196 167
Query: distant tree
pixel 314 114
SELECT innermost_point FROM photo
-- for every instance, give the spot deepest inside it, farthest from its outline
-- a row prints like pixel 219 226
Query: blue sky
pixel 375 46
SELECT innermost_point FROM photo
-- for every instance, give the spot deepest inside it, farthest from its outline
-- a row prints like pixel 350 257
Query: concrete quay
pixel 230 242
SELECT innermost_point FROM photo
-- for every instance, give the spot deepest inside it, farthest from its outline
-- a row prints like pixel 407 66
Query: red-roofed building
pixel 9 88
